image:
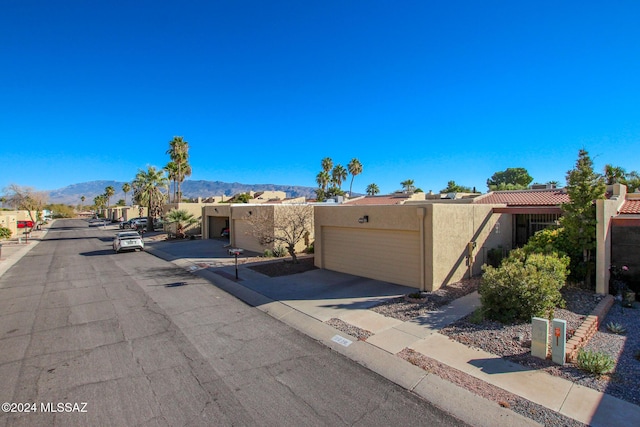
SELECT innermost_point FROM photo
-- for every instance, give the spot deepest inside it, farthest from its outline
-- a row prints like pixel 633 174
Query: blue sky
pixel 425 90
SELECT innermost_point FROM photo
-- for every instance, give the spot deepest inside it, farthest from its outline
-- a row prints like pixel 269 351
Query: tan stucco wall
pixel 605 210
pixel 240 230
pixel 193 208
pixel 453 228
pixel 443 233
pixel 10 221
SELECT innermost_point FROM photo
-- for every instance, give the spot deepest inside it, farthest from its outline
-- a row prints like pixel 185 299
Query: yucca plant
pixel 616 328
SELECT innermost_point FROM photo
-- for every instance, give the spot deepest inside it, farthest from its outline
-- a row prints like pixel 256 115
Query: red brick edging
pixel 589 327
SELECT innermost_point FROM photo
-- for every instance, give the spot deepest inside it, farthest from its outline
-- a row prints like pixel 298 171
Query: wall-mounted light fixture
pixel 497 228
pixel 215 209
pixel 363 219
pixel 250 213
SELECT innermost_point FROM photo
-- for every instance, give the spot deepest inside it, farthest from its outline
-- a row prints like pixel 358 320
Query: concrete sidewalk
pixel 305 301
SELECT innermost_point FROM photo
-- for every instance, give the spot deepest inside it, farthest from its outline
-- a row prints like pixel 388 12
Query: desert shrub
pixel 595 363
pixel 523 286
pixel 5 233
pixel 279 251
pixel 268 253
pixel 556 240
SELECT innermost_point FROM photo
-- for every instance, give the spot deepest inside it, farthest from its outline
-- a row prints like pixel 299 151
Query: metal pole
pixel 236 254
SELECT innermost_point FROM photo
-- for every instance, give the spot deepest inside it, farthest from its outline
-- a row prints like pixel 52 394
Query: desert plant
pixel 616 328
pixel 182 219
pixel 268 253
pixel 594 362
pixel 5 233
pixel 523 286
pixel 279 251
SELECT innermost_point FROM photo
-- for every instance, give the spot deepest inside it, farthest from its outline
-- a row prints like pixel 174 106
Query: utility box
pixel 539 337
pixel 559 341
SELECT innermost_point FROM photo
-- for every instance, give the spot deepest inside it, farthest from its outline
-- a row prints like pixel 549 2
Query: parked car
pixel 139 224
pixel 127 224
pixel 225 232
pixel 128 240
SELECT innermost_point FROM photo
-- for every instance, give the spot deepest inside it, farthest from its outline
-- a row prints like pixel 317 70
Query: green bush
pixel 523 286
pixel 268 253
pixel 556 240
pixel 595 363
pixel 5 233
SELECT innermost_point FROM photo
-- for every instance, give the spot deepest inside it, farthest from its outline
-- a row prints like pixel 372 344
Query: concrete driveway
pixel 322 294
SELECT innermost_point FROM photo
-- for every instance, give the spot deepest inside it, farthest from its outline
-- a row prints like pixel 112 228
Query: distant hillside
pixel 190 189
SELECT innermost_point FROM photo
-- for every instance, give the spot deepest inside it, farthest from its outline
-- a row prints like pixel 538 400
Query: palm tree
pixel 323 179
pixel 327 164
pixel 355 168
pixel 182 219
pixel 147 190
pixel 126 187
pixel 408 186
pixel 338 175
pixel 99 201
pixel 82 199
pixel 372 189
pixel 179 154
pixel 109 192
pixel 172 173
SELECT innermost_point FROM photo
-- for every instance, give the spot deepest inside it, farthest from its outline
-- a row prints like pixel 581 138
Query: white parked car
pixel 128 241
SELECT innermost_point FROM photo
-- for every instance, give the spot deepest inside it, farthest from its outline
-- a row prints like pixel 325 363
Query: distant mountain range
pixel 190 189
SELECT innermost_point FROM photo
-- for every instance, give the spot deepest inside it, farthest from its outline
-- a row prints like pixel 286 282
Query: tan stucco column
pixel 605 210
pixel 422 250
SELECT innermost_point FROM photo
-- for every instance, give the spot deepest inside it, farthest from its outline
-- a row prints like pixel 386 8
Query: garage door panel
pixel 392 256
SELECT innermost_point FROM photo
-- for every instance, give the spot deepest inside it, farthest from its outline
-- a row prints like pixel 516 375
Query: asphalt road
pixel 89 337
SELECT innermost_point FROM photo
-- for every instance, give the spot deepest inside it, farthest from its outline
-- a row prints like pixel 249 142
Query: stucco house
pixel 238 217
pixel 425 246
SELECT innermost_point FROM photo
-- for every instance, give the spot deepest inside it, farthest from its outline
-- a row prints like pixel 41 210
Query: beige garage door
pixel 390 256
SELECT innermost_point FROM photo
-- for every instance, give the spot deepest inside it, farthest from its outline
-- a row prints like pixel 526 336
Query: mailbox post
pixel 235 252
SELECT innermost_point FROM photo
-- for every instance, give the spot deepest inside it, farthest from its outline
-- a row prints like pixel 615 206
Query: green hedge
pixel 525 285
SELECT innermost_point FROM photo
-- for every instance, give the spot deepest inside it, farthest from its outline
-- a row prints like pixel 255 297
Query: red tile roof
pixel 378 200
pixel 630 207
pixel 552 197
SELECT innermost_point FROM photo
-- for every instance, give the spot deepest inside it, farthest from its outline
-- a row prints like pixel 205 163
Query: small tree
pixel 452 187
pixel 26 198
pixel 285 224
pixel 510 179
pixel 182 219
pixel 584 186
